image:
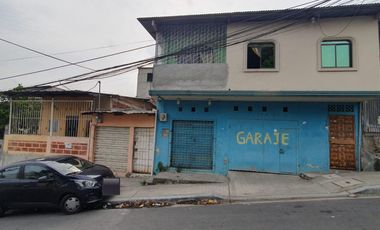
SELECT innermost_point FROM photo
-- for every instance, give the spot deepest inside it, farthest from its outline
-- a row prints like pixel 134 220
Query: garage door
pixel 192 144
pixel 143 150
pixel 111 148
pixel 263 146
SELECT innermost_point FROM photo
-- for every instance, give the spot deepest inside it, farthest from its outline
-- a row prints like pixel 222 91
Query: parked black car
pixel 86 167
pixel 42 183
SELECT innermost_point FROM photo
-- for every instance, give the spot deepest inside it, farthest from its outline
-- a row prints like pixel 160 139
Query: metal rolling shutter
pixel 111 148
pixel 192 144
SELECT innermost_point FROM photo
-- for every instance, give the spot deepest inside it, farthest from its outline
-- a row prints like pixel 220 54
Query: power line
pixel 93 86
pixel 345 26
pixel 75 63
pixel 143 62
pixel 57 67
pixel 76 78
pixel 75 51
pixel 116 70
pixel 53 68
pixel 44 54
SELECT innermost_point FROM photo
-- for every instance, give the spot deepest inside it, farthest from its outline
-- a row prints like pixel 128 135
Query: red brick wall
pixel 27 146
pixel 76 148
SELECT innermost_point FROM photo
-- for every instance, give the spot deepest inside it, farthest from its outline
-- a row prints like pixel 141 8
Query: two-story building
pixel 269 91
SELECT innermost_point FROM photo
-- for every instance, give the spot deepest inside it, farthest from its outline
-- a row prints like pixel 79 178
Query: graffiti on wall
pixel 260 138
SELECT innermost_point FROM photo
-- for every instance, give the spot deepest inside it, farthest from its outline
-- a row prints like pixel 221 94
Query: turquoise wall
pixel 305 140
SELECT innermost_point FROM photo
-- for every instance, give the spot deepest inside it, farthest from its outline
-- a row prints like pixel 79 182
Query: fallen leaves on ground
pixel 158 204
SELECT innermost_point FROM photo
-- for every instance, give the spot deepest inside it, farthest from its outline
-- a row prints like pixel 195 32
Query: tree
pixel 4 113
pixel 4 110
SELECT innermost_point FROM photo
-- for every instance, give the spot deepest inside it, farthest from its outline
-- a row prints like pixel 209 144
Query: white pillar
pixel 51 116
pixel 10 116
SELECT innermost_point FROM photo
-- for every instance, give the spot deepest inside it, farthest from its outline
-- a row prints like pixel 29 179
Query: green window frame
pixel 261 55
pixel 336 54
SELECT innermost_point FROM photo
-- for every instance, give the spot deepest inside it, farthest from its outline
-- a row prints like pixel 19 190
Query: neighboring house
pixel 55 121
pixel 123 139
pixel 287 101
pixel 144 82
pixel 370 150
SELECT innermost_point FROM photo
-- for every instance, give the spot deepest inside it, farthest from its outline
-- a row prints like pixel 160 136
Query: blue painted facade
pixel 278 137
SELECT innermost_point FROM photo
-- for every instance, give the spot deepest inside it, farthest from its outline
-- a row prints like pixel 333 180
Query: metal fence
pixel 371 116
pixel 50 117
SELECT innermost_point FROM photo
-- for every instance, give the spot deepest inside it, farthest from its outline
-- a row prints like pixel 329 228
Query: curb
pixel 366 190
pixel 291 198
pixel 172 199
pixel 234 200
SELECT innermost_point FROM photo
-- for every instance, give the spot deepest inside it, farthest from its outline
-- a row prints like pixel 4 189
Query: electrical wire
pixel 345 26
pixel 319 2
pixel 93 86
pixel 71 79
pixel 131 66
pixel 79 62
pixel 44 54
pixel 75 51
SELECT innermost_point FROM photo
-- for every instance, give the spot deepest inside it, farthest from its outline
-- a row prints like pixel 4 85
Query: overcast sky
pixel 83 29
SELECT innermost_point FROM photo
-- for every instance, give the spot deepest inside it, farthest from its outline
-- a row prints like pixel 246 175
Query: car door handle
pixel 281 151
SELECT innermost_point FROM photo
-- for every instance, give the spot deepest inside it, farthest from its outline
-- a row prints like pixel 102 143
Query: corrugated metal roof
pixel 264 15
pixel 121 112
pixel 55 91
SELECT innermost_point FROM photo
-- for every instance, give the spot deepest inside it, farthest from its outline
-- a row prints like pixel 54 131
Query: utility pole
pixel 99 95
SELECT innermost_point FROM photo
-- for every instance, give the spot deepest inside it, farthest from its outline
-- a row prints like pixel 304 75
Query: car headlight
pixel 86 183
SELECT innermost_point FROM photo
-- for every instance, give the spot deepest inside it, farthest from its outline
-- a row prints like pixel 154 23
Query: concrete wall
pixel 143 86
pixel 298 64
pixel 131 121
pixel 190 76
pixel 310 120
pixel 297 58
pixel 45 145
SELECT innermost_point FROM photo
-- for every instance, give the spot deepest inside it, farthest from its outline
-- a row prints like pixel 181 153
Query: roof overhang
pixel 152 23
pixel 119 112
pixel 299 96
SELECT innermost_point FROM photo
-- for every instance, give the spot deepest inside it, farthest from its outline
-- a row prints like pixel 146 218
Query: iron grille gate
pixel 192 144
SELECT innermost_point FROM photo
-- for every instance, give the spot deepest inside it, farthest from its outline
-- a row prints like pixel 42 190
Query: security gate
pixel 342 142
pixel 143 150
pixel 111 148
pixel 263 146
pixel 192 144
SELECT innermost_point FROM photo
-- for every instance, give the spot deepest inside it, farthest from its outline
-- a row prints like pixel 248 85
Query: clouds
pixel 54 26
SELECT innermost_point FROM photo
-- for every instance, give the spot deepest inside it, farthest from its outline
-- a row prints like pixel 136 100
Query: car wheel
pixel 70 204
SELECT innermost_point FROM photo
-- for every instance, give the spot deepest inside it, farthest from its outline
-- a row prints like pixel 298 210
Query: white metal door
pixel 143 150
pixel 111 148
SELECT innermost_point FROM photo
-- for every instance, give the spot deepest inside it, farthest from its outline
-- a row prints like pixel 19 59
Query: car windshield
pixel 77 162
pixel 63 168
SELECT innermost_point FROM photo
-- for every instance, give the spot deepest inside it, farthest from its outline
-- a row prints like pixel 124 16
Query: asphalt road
pixel 328 214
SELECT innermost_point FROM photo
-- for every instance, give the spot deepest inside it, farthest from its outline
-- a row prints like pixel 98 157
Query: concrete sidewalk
pixel 249 186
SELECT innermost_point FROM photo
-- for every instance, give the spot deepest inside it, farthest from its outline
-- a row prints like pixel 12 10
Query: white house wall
pixel 298 58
